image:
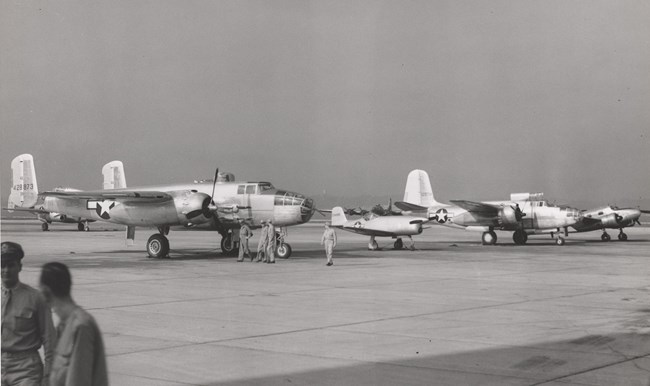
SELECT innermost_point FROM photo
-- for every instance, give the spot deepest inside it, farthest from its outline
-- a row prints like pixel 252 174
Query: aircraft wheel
pixel 45 227
pixel 283 251
pixel 80 227
pixel 622 236
pixel 86 228
pixel 605 237
pixel 560 241
pixel 520 237
pixel 228 247
pixel 489 238
pixel 157 246
pixel 373 246
pixel 398 244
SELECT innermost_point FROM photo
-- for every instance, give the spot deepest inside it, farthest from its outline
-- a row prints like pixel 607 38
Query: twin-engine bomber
pixel 222 204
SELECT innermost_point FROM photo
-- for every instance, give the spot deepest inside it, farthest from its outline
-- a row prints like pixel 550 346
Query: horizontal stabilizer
pixel 407 206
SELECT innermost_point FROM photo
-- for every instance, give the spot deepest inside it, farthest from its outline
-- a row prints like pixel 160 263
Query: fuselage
pixel 536 215
pixel 386 226
pixel 182 204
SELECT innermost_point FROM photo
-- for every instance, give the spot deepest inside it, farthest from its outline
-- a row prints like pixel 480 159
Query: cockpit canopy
pixel 254 187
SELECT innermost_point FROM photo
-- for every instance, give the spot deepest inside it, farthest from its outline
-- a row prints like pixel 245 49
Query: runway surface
pixel 453 312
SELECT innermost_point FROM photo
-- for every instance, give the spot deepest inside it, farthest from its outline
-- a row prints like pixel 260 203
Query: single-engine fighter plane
pixel 374 225
pixel 524 213
pixel 608 217
pixel 163 206
pixel 24 192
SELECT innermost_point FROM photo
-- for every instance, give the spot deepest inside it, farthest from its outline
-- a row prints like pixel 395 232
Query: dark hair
pixel 57 277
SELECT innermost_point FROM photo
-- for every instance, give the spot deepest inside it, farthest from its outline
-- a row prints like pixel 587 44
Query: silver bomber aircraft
pixel 524 213
pixel 162 206
pixel 608 217
pixel 374 225
pixel 24 192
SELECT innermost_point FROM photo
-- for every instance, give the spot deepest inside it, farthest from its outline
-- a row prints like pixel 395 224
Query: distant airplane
pixel 221 202
pixel 524 213
pixel 374 225
pixel 608 217
pixel 24 192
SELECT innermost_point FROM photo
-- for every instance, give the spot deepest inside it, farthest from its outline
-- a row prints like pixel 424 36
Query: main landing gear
pixel 520 237
pixel 158 244
pixel 489 238
pixel 372 244
pixel 622 236
pixel 230 244
pixel 45 227
pixel 83 226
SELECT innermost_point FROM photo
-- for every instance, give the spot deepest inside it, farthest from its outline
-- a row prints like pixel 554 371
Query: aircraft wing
pixel 122 195
pixel 30 210
pixel 407 206
pixel 477 207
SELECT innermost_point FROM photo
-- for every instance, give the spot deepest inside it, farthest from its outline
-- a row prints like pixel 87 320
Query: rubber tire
pixel 45 227
pixel 622 237
pixel 283 251
pixel 80 227
pixel 489 238
pixel 560 241
pixel 224 249
pixel 157 246
pixel 605 237
pixel 399 244
pixel 373 246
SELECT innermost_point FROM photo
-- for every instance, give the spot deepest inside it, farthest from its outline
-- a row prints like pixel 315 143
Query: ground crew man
pixel 26 325
pixel 271 243
pixel 245 233
pixel 329 240
pixel 261 245
pixel 79 358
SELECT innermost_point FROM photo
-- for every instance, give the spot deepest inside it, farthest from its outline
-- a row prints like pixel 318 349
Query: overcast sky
pixel 489 97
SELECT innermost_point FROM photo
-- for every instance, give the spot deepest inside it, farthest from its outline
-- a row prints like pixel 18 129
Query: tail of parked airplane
pixel 24 190
pixel 114 177
pixel 338 216
pixel 418 189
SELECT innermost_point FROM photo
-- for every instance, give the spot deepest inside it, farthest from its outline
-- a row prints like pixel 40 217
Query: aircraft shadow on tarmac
pixel 590 359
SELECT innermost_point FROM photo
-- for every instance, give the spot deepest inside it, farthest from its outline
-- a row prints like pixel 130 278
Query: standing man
pixel 271 243
pixel 26 325
pixel 261 245
pixel 329 240
pixel 245 233
pixel 79 358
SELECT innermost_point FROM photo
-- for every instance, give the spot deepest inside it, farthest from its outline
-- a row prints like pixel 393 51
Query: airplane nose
pixel 307 209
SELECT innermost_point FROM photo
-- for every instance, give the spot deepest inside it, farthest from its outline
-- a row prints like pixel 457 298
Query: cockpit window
pixel 250 189
pixel 241 189
pixel 264 186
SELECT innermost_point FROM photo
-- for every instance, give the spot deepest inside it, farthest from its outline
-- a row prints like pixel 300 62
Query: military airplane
pixel 608 217
pixel 374 225
pixel 221 202
pixel 24 192
pixel 524 213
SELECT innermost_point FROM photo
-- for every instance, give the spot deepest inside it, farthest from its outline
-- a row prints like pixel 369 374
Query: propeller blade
pixel 214 185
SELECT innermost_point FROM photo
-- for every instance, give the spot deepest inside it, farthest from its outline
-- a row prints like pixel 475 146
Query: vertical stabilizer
pixel 114 177
pixel 418 189
pixel 24 190
pixel 338 217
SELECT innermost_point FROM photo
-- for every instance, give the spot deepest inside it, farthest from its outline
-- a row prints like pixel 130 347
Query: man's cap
pixel 11 251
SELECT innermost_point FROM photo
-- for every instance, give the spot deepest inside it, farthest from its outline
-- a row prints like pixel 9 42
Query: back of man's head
pixel 56 276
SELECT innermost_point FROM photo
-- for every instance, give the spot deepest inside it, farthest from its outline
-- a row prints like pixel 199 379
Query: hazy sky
pixel 489 97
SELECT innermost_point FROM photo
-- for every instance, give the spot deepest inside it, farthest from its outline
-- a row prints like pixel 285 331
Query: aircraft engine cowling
pixel 507 216
pixel 612 220
pixel 192 207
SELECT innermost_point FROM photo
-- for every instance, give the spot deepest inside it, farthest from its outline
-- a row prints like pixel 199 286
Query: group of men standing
pixel 266 245
pixel 73 352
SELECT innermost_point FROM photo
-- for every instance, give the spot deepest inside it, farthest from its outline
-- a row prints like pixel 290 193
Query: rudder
pixel 418 189
pixel 338 216
pixel 114 177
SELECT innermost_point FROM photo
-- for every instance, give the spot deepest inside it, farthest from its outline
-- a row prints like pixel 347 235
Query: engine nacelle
pixel 612 220
pixel 192 207
pixel 507 216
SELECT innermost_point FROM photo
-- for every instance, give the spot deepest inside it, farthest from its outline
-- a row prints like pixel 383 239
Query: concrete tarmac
pixel 453 312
